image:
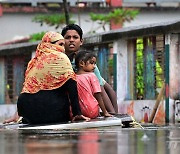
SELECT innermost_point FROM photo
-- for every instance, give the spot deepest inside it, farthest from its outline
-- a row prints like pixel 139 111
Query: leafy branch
pixel 117 16
pixel 56 20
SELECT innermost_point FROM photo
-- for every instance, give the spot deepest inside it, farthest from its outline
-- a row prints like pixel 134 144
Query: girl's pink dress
pixel 88 85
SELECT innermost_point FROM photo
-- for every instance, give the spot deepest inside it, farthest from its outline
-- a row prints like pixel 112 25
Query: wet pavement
pixel 105 140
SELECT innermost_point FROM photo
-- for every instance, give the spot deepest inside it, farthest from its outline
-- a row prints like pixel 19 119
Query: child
pixel 89 90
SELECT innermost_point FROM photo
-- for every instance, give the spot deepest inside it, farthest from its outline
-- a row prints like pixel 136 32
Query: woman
pixel 50 86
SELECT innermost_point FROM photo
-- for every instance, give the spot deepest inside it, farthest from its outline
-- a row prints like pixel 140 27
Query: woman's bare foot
pixel 14 118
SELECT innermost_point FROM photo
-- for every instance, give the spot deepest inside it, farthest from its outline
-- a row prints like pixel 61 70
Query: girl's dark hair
pixel 83 56
pixel 72 27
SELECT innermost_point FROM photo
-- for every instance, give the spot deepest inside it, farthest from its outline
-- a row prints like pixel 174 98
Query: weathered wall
pixel 174 82
pixel 121 48
pixel 141 110
pixel 6 111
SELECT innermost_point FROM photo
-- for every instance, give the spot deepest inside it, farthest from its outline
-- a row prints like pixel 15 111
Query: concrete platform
pixel 99 122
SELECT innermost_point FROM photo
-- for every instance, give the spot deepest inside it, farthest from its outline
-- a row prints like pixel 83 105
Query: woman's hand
pixel 80 117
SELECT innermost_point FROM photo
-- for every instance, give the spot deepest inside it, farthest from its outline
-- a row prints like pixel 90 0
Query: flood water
pixel 106 140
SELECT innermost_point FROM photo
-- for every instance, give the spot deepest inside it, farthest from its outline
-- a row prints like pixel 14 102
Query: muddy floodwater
pixel 106 140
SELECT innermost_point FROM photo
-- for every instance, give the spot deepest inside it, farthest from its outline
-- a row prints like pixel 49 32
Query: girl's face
pixel 90 65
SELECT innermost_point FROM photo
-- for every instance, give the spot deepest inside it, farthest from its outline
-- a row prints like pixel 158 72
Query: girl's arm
pixel 101 104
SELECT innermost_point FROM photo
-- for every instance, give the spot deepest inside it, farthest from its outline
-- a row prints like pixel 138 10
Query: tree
pixel 57 20
pixel 117 16
pixel 66 12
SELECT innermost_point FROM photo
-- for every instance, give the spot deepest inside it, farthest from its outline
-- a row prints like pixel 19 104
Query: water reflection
pixel 113 140
pixel 88 142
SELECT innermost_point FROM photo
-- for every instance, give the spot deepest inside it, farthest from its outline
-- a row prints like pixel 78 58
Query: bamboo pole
pixel 158 100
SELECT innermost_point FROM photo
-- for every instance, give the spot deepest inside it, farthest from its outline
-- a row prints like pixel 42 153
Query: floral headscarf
pixel 50 68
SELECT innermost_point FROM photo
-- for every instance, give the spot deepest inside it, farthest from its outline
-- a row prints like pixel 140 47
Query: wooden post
pixel 66 12
pixel 167 50
pixel 115 72
pixel 158 100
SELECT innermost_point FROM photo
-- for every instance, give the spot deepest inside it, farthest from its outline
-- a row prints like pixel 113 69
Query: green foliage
pixel 140 80
pixel 110 62
pixel 159 72
pixel 36 36
pixel 110 66
pixel 100 17
pixel 139 69
pixel 118 16
pixel 122 15
pixel 52 20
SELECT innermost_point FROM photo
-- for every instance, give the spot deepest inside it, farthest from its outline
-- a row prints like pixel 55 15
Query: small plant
pixel 117 16
pixel 36 36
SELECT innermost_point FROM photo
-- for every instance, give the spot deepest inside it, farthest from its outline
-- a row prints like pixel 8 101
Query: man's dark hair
pixel 72 27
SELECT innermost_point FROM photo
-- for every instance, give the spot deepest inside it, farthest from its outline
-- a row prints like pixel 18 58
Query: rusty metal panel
pixel 103 62
pixel 15 67
pixel 18 75
pixel 9 79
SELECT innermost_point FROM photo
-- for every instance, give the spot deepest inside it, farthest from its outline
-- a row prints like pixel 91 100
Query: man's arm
pixel 112 95
pixel 101 104
pixel 108 94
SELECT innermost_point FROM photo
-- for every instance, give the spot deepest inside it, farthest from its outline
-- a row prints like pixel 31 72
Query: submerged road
pixel 147 139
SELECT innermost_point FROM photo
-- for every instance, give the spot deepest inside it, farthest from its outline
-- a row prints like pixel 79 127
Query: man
pixel 72 34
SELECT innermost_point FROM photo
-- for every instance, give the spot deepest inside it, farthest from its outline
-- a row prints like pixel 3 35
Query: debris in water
pixel 145 137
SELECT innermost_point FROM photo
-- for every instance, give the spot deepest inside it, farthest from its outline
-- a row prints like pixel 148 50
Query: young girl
pixel 89 90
